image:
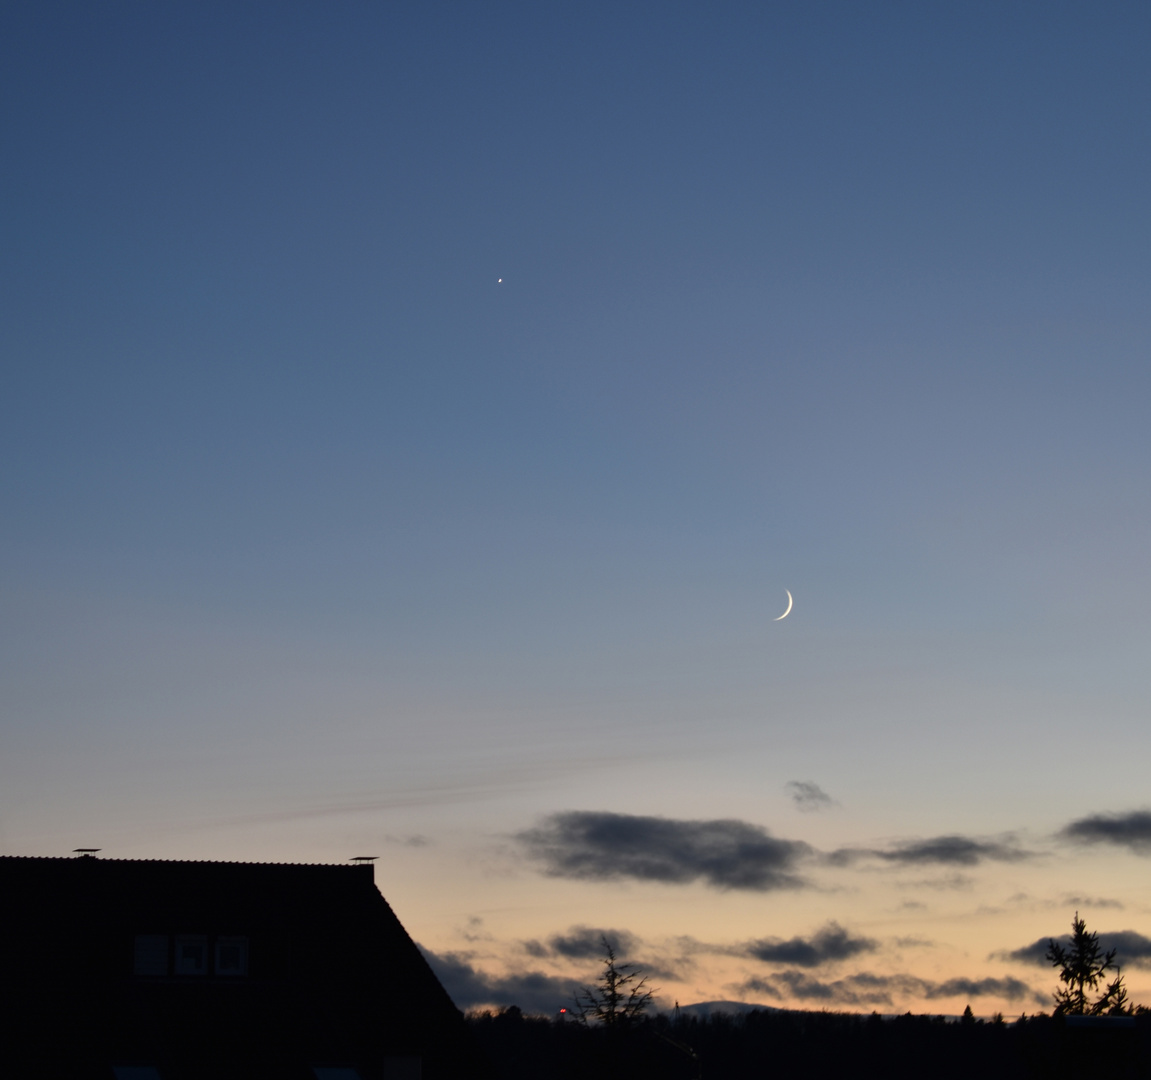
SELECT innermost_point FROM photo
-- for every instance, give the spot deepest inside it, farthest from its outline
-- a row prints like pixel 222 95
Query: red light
pixel 563 1010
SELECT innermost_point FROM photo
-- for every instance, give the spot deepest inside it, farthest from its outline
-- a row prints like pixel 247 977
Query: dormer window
pixel 191 954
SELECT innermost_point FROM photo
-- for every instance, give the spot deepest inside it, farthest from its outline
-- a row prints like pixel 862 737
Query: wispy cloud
pixel 808 796
pixel 1132 949
pixel 1131 830
pixel 726 853
pixel 950 850
pixel 468 987
pixel 952 881
pixel 1091 902
pixel 415 840
pixel 475 931
pixel 827 945
pixel 866 988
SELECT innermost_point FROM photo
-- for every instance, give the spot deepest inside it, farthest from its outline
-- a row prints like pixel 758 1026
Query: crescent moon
pixel 789 603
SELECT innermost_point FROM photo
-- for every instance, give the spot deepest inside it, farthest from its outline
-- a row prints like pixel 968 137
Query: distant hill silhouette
pixel 704 1009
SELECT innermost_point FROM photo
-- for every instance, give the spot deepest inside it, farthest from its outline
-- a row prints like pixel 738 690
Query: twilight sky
pixel 319 540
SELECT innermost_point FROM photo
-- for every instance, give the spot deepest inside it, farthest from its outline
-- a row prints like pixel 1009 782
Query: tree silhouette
pixel 618 999
pixel 1081 969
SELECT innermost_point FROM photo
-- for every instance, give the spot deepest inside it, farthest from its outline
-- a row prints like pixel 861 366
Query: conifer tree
pixel 618 999
pixel 1082 967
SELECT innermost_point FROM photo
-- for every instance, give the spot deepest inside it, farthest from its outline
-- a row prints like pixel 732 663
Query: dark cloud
pixel 1035 953
pixel 468 987
pixel 953 851
pixel 865 988
pixel 827 945
pixel 938 850
pixel 808 796
pixel 1009 987
pixel 1126 830
pixel 759 986
pixel 860 989
pixel 585 942
pixel 1132 949
pixel 728 854
pixel 676 970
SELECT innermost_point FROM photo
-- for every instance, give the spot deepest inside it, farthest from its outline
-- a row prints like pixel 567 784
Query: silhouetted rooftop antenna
pixel 86 852
pixel 364 858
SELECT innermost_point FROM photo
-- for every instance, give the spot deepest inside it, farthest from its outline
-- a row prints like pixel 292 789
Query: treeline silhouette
pixel 763 1044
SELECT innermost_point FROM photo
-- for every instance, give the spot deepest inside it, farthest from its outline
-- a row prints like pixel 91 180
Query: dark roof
pixel 333 974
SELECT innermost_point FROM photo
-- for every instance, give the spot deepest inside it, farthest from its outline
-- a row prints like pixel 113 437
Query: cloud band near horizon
pixel 868 989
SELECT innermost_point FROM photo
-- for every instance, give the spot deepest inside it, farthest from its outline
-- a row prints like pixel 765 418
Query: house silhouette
pixel 161 970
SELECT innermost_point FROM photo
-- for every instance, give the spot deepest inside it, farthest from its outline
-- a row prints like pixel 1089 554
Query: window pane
pixel 232 956
pixel 151 954
pixel 191 954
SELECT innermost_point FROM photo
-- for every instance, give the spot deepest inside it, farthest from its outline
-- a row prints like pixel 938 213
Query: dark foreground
pixel 811 1045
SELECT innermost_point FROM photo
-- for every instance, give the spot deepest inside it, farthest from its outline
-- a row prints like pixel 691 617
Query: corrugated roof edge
pixel 185 862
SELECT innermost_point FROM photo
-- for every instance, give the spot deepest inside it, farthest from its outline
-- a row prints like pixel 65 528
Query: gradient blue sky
pixel 316 537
